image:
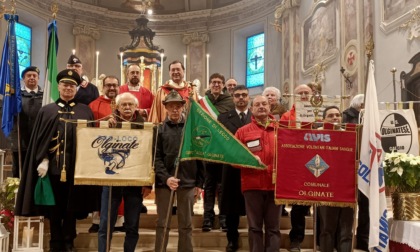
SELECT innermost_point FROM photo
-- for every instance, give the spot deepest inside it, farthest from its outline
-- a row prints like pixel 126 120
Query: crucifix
pixel 255 59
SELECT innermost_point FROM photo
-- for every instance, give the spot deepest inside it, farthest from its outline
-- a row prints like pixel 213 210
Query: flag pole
pixel 171 198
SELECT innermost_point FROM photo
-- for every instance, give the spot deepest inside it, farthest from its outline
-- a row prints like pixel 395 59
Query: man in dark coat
pixel 52 151
pixel 213 176
pixel 31 103
pixel 86 91
pixel 232 203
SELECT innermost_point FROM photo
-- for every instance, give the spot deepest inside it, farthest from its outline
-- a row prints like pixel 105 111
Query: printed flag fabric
pixel 50 86
pixel 316 166
pixel 399 131
pixel 371 174
pixel 114 157
pixel 209 107
pixel 206 139
pixel 9 77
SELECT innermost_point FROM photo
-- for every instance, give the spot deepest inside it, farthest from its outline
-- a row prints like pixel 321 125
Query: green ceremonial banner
pixel 207 139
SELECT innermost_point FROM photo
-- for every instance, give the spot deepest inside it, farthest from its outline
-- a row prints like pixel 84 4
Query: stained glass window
pixel 24 45
pixel 255 60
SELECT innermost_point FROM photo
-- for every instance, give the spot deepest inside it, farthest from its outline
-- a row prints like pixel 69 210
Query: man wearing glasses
pixel 232 203
pixel 213 176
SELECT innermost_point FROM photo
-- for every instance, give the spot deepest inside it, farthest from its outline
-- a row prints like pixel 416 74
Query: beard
pixel 134 81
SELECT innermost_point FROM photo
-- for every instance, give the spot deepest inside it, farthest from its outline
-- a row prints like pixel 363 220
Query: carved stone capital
pixel 195 37
pixel 80 29
pixel 284 6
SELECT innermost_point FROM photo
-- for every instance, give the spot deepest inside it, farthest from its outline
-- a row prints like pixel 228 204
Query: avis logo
pixel 317 137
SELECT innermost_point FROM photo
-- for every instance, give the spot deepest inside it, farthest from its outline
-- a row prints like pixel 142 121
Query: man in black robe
pixel 52 151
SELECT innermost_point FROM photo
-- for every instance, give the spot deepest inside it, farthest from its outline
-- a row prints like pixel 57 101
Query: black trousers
pixel 362 235
pixel 212 185
pixel 232 223
pixel 297 217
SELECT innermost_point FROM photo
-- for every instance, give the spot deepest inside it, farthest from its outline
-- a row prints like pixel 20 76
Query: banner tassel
pixel 63 174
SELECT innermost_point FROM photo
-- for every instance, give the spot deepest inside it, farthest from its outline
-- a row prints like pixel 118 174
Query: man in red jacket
pixel 103 106
pixel 258 185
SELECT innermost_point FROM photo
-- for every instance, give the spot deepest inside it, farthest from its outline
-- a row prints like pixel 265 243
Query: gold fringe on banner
pixel 311 202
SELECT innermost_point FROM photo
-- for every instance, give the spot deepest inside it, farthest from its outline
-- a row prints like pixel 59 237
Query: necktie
pixel 243 117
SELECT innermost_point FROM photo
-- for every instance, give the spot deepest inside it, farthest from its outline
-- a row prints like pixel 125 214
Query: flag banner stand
pixel 316 167
pixel 114 157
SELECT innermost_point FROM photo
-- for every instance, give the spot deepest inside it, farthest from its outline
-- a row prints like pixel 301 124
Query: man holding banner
pixel 258 185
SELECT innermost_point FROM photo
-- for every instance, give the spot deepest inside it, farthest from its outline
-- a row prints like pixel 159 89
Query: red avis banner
pixel 316 166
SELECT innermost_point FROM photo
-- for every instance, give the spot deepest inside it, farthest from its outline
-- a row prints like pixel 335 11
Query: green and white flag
pixel 206 139
pixel 50 86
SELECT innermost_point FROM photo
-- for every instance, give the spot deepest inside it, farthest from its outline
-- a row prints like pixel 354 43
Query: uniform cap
pixel 69 76
pixel 30 69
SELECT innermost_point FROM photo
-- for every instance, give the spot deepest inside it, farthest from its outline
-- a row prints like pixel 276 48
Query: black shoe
pixel 68 247
pixel 223 225
pixel 174 208
pixel 119 229
pixel 232 246
pixel 207 226
pixel 94 228
pixel 143 209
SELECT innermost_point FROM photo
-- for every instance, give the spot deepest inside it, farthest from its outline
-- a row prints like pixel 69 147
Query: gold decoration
pixel 370 45
pixel 412 24
pixel 4 10
pixel 406 206
pixel 54 9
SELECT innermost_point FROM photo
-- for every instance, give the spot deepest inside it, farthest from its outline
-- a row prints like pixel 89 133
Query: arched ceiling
pixel 160 6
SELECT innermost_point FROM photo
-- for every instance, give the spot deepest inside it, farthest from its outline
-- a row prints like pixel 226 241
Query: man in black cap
pixel 86 91
pixel 31 95
pixel 51 151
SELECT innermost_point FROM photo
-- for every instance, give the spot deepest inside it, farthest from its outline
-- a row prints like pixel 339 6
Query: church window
pixel 255 60
pixel 24 45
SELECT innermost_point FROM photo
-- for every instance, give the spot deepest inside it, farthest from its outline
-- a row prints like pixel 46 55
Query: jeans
pixel 212 185
pixel 133 200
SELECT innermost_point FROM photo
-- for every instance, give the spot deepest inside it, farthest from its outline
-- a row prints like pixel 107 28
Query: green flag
pixel 207 139
pixel 50 86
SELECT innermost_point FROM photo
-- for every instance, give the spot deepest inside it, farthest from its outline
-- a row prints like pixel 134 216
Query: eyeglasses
pixel 111 85
pixel 244 95
pixel 332 115
pixel 217 83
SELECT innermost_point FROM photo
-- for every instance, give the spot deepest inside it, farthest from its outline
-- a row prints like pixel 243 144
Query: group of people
pixel 48 147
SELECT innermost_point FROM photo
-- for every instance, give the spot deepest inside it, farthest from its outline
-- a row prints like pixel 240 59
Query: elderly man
pixel 31 103
pixel 297 215
pixel 257 185
pixel 232 203
pixel 336 223
pixel 52 151
pixel 230 85
pixel 213 177
pixel 176 72
pixel 86 92
pixel 351 115
pixel 133 195
pixel 186 183
pixel 135 87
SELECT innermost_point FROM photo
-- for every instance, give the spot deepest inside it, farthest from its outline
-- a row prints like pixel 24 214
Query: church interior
pixel 330 42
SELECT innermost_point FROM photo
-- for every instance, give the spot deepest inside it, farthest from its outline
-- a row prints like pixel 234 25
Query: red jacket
pixel 260 141
pixel 290 116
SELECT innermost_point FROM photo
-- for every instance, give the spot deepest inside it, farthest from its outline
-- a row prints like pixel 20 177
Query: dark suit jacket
pixel 232 201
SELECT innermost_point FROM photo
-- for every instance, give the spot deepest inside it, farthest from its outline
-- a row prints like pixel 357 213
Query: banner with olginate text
pixel 316 166
pixel 114 157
